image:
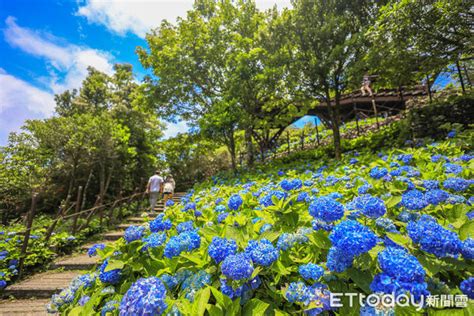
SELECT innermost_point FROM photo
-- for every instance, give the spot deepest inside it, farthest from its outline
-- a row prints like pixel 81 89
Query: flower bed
pixel 283 241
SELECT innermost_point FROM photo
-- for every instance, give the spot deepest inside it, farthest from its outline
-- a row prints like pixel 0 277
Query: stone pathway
pixel 30 296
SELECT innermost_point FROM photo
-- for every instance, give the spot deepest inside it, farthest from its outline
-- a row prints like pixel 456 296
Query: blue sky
pixel 46 46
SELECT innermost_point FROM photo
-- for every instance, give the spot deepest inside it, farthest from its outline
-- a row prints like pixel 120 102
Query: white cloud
pixel 20 101
pixel 138 17
pixel 173 129
pixel 67 62
pixel 18 93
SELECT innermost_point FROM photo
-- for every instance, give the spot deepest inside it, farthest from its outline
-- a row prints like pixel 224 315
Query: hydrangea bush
pixel 279 241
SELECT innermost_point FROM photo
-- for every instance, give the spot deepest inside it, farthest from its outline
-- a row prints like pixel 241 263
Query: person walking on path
pixel 168 189
pixel 154 188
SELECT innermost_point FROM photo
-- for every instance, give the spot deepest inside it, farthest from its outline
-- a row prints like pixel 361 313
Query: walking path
pixel 30 296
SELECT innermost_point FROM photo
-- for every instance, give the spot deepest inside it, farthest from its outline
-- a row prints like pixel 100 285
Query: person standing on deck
pixel 154 188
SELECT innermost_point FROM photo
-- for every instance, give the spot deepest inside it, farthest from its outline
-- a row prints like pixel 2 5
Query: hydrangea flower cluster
pixel 401 272
pixel 133 233
pixel 220 248
pixel 349 239
pixel 288 240
pixel 237 267
pixel 267 199
pixel 311 271
pixel 414 200
pixel 92 251
pixel 467 287
pixel 262 252
pixel 196 281
pixel 169 203
pixel 291 184
pixel 153 240
pixel 434 238
pixel 185 226
pixel 326 209
pixel 144 297
pixel 160 224
pixel 185 241
pixel 111 276
pixel 235 201
pixel 369 205
pixel 456 184
pixel 378 172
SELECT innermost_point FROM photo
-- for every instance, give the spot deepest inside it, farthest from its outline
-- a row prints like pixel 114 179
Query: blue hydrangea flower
pixel 370 206
pixel 303 197
pixel 262 252
pixel 311 271
pixel 405 158
pixel 431 184
pixel 3 284
pixel 353 161
pixel 452 134
pixel 320 225
pixel 220 208
pixel 189 206
pixel 193 283
pixel 308 183
pixel 267 199
pixel 185 226
pixel 109 277
pixel 291 184
pixel 109 307
pixel 386 224
pixel 364 188
pixel 222 216
pixel 83 300
pixel 154 240
pixel 235 201
pixel 237 267
pixel 414 200
pixel 338 260
pixel 169 281
pixel 456 184
pixel 352 238
pixel 401 272
pixel 298 292
pixel 185 241
pixel 220 248
pixel 434 238
pixel 467 287
pixel 436 196
pixel 160 224
pixel 467 249
pixel 92 251
pixel 378 172
pixel 452 168
pixel 133 233
pixel 326 209
pixel 144 297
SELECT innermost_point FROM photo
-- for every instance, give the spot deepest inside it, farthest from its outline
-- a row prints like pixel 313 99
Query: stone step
pixel 24 307
pixel 75 262
pixel 115 235
pixel 41 285
pixel 136 220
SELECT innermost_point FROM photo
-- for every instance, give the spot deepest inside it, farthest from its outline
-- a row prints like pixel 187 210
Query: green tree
pixel 329 45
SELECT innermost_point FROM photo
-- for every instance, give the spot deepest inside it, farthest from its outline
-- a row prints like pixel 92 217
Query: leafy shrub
pixel 278 250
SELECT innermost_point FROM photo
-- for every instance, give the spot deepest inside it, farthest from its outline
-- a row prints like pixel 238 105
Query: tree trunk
pixel 334 112
pixel 249 146
pixel 86 187
pixel 231 149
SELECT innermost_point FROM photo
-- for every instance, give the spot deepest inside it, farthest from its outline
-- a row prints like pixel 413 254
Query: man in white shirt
pixel 154 188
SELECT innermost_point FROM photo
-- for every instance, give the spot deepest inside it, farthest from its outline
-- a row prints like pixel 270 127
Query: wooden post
pixel 288 141
pixel 461 80
pixel 26 238
pixel 317 130
pixel 62 208
pixel 374 106
pixel 78 209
